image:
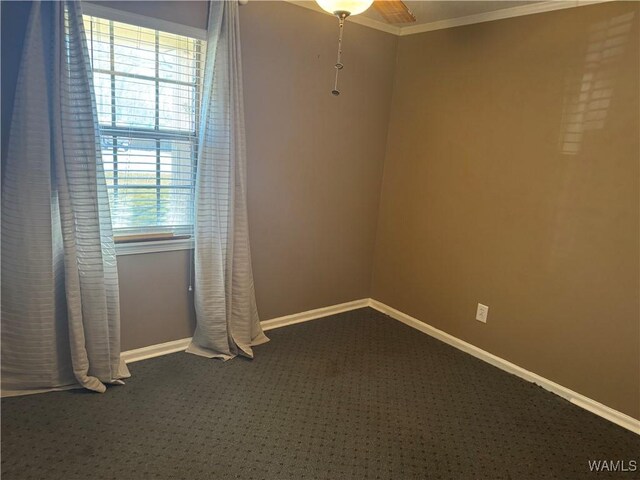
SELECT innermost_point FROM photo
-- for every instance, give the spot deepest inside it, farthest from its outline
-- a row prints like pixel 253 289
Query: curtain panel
pixel 226 313
pixel 60 304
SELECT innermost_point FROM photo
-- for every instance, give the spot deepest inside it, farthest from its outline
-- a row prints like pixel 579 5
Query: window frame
pixel 157 134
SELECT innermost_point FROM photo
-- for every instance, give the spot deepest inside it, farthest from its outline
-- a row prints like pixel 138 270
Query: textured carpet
pixel 352 396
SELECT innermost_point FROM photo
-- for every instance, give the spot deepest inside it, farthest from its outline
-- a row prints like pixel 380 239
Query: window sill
pixel 137 248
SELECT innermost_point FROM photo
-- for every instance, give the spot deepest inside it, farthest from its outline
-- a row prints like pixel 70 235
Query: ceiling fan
pixel 393 11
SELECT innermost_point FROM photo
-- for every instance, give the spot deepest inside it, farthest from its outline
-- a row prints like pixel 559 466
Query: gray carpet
pixel 352 396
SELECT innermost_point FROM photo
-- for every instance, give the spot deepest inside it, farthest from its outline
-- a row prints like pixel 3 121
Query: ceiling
pixel 435 15
pixel 428 11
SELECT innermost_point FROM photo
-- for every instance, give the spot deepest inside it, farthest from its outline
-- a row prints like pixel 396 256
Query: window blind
pixel 147 85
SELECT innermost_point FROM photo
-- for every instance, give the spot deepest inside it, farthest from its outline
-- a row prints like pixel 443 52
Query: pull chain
pixel 341 17
pixel 191 254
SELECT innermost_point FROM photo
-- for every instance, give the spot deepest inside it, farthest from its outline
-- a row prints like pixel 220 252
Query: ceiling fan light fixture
pixel 351 7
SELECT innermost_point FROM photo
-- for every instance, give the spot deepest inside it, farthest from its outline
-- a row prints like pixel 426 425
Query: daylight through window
pixel 147 87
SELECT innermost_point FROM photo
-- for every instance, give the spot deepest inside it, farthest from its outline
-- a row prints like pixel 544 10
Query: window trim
pixel 138 20
pixel 144 247
pixel 137 248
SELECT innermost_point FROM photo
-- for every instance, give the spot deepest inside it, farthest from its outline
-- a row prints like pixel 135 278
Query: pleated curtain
pixel 226 313
pixel 60 306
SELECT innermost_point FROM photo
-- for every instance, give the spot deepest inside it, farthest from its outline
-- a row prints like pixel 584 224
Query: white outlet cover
pixel 482 312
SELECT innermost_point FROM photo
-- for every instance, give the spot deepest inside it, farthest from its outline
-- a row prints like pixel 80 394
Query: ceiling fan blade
pixel 394 11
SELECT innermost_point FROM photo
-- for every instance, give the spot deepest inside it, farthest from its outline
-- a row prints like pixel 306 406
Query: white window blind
pixel 147 86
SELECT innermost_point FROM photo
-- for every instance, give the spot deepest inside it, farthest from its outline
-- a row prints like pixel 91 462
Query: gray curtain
pixel 60 306
pixel 226 313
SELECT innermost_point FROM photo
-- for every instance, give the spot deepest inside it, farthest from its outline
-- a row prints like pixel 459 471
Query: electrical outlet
pixel 482 312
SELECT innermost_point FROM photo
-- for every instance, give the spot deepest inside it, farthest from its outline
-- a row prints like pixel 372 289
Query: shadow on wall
pixel 588 94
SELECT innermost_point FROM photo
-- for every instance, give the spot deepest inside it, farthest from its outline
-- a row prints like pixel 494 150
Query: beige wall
pixel 314 160
pixel 155 304
pixel 490 195
pixel 314 173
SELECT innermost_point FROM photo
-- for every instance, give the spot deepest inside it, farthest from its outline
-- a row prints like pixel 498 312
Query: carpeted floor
pixel 352 396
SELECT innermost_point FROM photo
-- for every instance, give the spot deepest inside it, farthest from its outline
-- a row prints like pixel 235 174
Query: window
pixel 147 84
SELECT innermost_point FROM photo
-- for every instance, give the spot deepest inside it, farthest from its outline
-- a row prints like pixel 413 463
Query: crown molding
pixel 547 6
pixel 512 12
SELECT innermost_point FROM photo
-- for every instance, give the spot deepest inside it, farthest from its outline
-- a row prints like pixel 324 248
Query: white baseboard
pixel 576 398
pixel 181 345
pixel 157 350
pixel 313 314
